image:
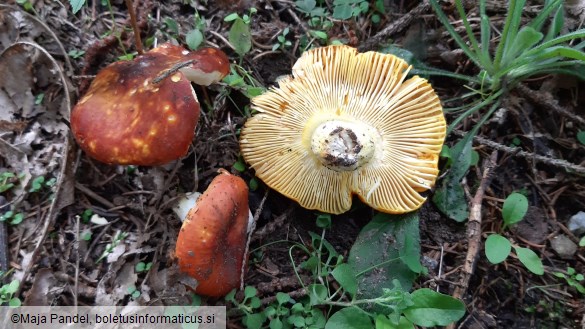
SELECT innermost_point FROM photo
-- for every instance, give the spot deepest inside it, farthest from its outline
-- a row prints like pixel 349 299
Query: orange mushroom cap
pixel 127 118
pixel 212 241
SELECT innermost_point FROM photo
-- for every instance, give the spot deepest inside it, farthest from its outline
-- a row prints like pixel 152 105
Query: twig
pixel 172 70
pixel 134 24
pixel 398 26
pixel 4 207
pixel 474 227
pixel 542 100
pixel 249 238
pixel 568 166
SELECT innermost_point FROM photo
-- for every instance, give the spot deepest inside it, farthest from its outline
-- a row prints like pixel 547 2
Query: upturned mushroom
pixel 144 111
pixel 347 123
pixel 212 241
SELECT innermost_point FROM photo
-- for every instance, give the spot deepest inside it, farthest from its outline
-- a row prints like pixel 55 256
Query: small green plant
pixel 142 267
pixel 7 292
pixel 573 279
pixel 346 9
pixel 240 36
pixel 282 42
pixel 86 215
pixel 76 53
pixel 12 217
pixel 7 181
pixel 369 289
pixel 39 183
pixel 194 38
pixel 116 239
pixel 498 248
pixel 133 292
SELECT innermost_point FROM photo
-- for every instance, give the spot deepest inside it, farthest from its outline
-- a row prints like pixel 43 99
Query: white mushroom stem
pixel 342 145
pixel 189 200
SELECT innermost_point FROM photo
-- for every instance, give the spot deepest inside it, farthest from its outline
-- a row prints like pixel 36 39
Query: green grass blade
pixel 485 61
pixel 549 6
pixel 556 25
pixel 492 98
pixel 512 19
pixel 558 40
pixel 526 38
pixel 460 42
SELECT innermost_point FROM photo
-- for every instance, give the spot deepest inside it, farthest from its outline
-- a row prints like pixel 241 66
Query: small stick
pixel 249 238
pixel 172 70
pixel 568 166
pixel 542 100
pixel 134 24
pixel 474 227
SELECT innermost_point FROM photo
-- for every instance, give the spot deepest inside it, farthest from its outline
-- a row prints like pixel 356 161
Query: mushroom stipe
pixel 347 123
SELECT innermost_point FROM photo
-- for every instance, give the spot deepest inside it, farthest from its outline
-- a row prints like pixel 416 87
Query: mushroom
pixel 347 123
pixel 211 245
pixel 144 111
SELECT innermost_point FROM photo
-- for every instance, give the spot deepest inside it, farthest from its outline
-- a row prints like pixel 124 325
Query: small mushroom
pixel 212 242
pixel 347 123
pixel 144 111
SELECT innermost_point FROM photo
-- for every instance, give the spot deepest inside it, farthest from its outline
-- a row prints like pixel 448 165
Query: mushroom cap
pixel 212 241
pixel 347 123
pixel 126 118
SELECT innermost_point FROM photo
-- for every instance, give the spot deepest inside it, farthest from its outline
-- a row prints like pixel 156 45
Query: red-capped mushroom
pixel 144 111
pixel 211 245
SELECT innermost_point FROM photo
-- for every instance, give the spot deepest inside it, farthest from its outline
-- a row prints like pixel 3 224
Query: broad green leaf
pixel 76 5
pixel 375 255
pixel 254 320
pixel 582 242
pixel 342 11
pixel 305 6
pixel 515 208
pixel 349 318
pixel 409 254
pixel 382 322
pixel 317 293
pixel 14 302
pixel 433 309
pixel 240 37
pixel 525 39
pixel 530 259
pixel 497 248
pixel 451 201
pixel 194 39
pixel 345 275
pixel 581 136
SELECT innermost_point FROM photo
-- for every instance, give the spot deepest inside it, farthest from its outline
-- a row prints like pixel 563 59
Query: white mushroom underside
pixel 336 84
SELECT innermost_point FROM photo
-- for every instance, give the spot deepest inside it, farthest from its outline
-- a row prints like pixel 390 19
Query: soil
pixel 35 141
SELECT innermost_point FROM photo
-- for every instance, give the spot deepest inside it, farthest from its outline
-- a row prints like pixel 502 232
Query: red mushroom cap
pixel 212 241
pixel 127 118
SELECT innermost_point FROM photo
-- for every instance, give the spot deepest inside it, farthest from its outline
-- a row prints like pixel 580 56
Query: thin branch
pixel 137 40
pixel 542 100
pixel 474 227
pixel 172 70
pixel 568 166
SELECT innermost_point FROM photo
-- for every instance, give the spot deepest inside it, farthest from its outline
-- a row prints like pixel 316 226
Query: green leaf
pixel 349 318
pixel 342 12
pixel 581 136
pixel 14 302
pixel 305 6
pixel 231 17
pixel 194 39
pixel 240 37
pixel 375 255
pixel 525 39
pixel 282 298
pixel 76 5
pixel 515 208
pixel 433 309
pixel 317 293
pixel 409 254
pixel 344 274
pixel 582 242
pixel 318 34
pixel 253 321
pixel 451 201
pixel 497 248
pixel 12 287
pixel 530 259
pixel 240 165
pixel 249 292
